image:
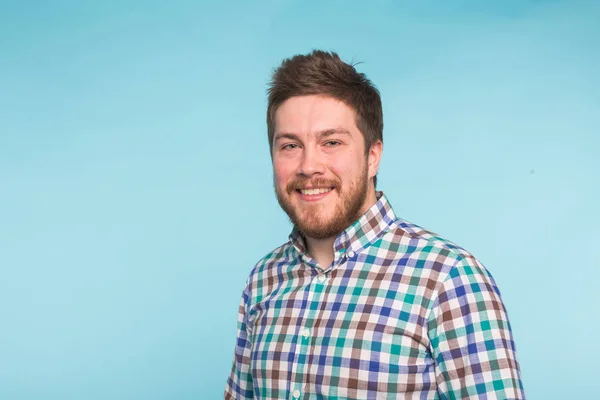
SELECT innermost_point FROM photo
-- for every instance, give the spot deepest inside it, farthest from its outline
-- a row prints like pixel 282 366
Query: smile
pixel 315 191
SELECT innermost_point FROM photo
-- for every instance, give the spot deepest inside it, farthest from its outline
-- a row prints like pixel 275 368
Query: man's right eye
pixel 289 146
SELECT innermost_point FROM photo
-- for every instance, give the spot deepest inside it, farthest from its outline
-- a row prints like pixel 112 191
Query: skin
pixel 318 145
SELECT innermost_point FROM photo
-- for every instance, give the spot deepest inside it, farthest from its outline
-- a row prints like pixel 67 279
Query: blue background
pixel 136 192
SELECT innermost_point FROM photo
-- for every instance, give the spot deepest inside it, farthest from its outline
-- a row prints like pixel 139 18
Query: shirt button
pixel 351 254
pixel 321 278
pixel 296 394
pixel 306 333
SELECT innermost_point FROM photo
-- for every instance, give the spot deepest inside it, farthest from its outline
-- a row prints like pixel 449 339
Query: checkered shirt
pixel 400 314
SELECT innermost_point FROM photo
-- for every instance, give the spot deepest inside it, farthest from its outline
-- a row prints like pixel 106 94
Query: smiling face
pixel 322 175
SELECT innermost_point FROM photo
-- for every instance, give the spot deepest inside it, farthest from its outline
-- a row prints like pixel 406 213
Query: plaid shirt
pixel 400 313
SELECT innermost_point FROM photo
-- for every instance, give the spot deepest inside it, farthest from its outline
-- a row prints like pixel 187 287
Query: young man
pixel 359 304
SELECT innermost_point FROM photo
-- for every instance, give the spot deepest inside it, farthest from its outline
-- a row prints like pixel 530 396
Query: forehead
pixel 306 114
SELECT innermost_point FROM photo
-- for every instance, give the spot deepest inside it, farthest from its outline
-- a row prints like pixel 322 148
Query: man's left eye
pixel 332 143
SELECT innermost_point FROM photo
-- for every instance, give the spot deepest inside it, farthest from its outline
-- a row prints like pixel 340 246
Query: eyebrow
pixel 320 134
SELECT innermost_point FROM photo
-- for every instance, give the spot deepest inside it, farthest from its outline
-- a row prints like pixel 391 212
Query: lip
pixel 312 197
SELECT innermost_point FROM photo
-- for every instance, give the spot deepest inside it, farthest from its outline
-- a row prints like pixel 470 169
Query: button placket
pixel 304 334
pixel 298 366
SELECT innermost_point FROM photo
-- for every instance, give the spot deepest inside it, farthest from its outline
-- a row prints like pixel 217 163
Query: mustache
pixel 316 182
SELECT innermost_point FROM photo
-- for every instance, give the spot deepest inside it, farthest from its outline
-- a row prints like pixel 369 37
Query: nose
pixel 311 164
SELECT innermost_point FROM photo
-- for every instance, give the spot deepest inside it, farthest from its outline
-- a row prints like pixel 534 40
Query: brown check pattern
pixel 400 313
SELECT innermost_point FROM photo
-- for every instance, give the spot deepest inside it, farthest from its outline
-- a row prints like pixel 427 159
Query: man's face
pixel 321 174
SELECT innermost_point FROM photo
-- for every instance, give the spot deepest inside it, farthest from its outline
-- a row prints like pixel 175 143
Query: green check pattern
pixel 400 314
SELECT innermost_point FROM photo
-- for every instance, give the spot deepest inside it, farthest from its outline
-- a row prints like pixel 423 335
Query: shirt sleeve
pixel 471 339
pixel 239 383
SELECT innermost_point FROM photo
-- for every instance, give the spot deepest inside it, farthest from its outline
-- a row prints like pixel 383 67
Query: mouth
pixel 314 191
pixel 313 194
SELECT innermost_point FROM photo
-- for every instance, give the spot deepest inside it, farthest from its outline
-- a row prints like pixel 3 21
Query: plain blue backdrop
pixel 136 187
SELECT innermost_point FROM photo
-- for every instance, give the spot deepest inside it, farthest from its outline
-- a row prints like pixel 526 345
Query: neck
pixel 322 249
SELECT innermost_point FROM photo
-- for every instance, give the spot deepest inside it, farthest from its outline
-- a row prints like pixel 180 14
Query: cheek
pixel 282 172
pixel 346 168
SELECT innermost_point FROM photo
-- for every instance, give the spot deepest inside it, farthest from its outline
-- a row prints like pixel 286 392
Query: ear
pixel 374 158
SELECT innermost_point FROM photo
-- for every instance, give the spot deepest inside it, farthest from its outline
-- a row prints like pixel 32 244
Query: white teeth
pixel 315 191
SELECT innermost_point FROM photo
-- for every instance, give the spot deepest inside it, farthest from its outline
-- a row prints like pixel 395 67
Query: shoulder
pixel 421 248
pixel 415 239
pixel 426 238
pixel 271 265
pixel 281 254
pixel 448 271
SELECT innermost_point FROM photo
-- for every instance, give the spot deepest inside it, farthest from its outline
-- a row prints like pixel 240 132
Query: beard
pixel 321 221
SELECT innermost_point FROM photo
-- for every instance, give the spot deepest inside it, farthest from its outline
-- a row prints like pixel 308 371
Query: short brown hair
pixel 324 73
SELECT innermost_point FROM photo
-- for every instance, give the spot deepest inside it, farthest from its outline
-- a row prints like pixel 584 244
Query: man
pixel 359 304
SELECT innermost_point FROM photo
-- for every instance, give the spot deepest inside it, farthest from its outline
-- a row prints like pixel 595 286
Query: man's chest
pixel 353 333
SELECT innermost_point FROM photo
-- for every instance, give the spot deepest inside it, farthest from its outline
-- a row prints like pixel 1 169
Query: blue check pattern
pixel 401 313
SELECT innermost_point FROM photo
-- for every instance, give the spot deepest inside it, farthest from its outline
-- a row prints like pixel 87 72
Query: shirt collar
pixel 361 234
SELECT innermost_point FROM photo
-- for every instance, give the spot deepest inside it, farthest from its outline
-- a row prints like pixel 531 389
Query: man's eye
pixel 289 146
pixel 332 143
